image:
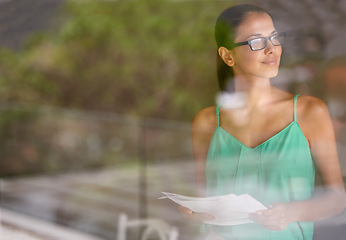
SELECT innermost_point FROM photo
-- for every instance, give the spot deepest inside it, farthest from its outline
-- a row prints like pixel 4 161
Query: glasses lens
pixel 258 43
pixel 278 39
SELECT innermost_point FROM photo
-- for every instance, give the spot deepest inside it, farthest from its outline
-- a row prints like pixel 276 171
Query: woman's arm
pixel 316 124
pixel 202 130
pixel 203 127
pixel 319 131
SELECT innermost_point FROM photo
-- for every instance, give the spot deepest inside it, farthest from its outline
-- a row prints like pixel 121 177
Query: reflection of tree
pixel 152 58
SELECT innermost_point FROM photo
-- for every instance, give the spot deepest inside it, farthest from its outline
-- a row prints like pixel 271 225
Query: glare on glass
pixel 260 43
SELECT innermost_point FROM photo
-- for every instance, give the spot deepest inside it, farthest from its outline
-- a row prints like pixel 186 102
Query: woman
pixel 268 145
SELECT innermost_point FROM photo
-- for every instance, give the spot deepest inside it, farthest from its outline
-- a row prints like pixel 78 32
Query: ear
pixel 226 56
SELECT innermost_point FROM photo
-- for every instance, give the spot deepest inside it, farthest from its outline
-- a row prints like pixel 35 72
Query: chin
pixel 271 73
pixel 268 75
pixel 274 75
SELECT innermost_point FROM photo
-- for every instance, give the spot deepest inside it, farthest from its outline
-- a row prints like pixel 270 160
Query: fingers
pixel 274 218
pixel 271 213
pixel 267 216
pixel 275 227
pixel 184 210
pixel 272 222
pixel 201 216
pixel 195 215
pixel 275 224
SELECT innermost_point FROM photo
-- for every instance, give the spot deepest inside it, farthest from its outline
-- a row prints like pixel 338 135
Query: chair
pixel 152 226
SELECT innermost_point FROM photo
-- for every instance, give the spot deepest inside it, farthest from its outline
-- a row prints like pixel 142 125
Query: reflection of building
pixel 326 80
pixel 82 169
pixel 18 226
pixel 334 86
pixel 18 19
pixel 333 90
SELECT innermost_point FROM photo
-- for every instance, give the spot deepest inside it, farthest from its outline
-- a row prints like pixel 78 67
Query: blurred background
pixel 96 100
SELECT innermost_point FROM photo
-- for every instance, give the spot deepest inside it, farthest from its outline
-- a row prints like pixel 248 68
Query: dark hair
pixel 225 32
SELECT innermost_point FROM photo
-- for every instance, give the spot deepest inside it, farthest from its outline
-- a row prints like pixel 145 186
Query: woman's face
pixel 260 64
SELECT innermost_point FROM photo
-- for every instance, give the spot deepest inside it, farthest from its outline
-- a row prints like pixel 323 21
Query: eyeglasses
pixel 260 43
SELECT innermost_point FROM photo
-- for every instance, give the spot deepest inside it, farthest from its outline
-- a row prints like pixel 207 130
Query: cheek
pixel 249 58
pixel 279 51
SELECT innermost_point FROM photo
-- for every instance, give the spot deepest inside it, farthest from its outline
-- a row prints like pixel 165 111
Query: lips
pixel 271 62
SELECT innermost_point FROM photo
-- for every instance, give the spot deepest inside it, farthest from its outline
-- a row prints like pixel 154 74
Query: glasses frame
pixel 266 42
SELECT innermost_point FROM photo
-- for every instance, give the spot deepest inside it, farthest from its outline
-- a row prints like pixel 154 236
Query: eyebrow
pixel 260 35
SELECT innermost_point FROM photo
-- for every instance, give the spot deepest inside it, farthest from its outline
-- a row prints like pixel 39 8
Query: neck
pixel 257 91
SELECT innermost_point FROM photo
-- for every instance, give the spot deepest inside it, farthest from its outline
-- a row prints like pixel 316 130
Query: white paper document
pixel 227 209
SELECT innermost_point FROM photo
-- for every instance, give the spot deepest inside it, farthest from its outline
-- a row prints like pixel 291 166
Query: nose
pixel 270 48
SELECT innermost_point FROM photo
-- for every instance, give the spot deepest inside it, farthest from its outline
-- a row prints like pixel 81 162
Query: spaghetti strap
pixel 295 107
pixel 217 115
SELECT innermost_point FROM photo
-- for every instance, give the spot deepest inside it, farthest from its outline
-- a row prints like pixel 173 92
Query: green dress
pixel 280 169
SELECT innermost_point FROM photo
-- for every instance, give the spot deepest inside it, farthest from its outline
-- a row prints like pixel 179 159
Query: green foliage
pixel 153 58
pixel 150 58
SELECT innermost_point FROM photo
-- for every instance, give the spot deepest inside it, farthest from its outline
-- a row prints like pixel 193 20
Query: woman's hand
pixel 188 213
pixel 276 217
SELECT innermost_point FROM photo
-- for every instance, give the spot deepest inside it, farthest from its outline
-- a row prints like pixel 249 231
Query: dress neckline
pixel 268 140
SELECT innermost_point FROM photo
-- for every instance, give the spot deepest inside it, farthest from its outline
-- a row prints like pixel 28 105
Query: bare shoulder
pixel 313 117
pixel 311 107
pixel 205 119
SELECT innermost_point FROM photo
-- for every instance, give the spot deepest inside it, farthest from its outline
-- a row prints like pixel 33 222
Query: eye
pixel 278 39
pixel 257 43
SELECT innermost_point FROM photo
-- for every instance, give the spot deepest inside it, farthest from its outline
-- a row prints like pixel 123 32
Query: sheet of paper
pixel 227 209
